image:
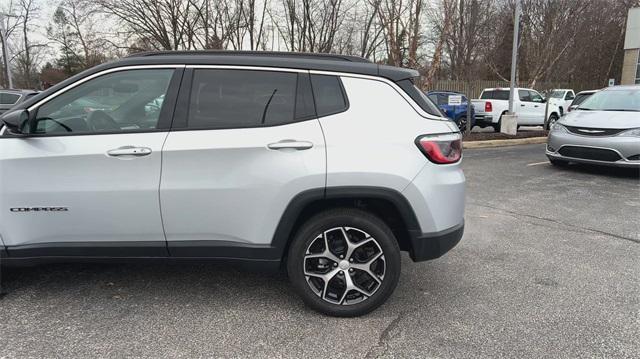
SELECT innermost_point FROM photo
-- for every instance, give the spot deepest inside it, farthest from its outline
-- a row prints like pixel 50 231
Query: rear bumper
pixel 428 246
pixel 486 120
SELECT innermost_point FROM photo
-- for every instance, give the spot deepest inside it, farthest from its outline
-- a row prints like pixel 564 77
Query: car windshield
pixel 557 94
pixel 613 100
pixel 495 95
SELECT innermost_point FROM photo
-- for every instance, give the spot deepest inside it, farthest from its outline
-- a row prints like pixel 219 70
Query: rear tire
pixel 360 281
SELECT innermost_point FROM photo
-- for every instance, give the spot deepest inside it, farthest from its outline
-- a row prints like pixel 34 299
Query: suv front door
pixel 85 178
pixel 246 144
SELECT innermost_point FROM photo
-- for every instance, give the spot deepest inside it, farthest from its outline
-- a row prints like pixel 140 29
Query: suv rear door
pixel 84 181
pixel 244 143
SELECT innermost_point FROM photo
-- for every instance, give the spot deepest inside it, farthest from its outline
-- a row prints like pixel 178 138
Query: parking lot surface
pixel 549 266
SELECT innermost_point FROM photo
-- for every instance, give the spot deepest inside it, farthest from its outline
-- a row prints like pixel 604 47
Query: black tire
pixel 496 127
pixel 552 118
pixel 345 217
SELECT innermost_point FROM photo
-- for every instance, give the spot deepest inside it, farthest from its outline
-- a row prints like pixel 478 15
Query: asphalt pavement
pixel 549 266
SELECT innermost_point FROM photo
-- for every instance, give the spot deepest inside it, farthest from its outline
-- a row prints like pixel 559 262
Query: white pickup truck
pixel 529 105
pixel 562 98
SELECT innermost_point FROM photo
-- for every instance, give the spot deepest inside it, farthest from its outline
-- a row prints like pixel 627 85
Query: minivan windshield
pixel 613 100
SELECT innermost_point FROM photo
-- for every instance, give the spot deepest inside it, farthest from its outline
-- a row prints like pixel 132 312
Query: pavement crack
pixel 571 226
pixel 385 336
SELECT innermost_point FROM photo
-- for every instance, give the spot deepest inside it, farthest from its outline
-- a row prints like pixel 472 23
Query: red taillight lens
pixel 488 107
pixel 441 149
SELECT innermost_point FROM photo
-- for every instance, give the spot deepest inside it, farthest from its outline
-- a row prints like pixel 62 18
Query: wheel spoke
pixel 345 264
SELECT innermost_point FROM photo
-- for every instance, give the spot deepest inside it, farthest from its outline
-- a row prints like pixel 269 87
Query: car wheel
pixel 462 123
pixel 496 127
pixel 552 119
pixel 344 262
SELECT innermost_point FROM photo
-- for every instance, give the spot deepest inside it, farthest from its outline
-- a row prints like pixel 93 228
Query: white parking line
pixel 537 163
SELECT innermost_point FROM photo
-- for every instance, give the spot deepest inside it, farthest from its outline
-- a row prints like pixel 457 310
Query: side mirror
pixel 16 120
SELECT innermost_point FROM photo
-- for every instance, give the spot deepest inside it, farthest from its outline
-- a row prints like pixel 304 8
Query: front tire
pixel 344 262
pixel 552 119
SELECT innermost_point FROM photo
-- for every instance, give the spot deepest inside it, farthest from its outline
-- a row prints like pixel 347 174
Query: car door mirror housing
pixel 16 120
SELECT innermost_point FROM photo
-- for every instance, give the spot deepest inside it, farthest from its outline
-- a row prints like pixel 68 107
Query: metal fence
pixel 474 88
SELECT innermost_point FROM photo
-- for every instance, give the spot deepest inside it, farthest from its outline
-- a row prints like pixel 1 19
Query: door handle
pixel 290 144
pixel 522 105
pixel 130 151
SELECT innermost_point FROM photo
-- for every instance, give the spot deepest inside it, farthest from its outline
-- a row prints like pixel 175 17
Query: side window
pixel 328 94
pixel 536 97
pixel 115 102
pixel 569 96
pixel 245 98
pixel 524 95
pixel 8 98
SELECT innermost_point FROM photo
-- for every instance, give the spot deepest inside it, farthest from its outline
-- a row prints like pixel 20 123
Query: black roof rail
pixel 282 54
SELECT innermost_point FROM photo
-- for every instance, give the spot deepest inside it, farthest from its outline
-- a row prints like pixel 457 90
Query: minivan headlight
pixel 634 132
pixel 556 127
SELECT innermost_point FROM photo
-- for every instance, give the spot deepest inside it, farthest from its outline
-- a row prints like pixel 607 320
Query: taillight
pixel 488 107
pixel 441 149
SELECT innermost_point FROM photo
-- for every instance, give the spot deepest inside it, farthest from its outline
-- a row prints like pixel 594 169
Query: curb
pixel 502 143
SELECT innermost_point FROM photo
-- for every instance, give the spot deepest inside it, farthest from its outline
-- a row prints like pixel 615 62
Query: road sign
pixel 612 82
pixel 455 100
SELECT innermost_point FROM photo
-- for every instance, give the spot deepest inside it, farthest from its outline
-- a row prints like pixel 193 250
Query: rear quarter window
pixel 329 95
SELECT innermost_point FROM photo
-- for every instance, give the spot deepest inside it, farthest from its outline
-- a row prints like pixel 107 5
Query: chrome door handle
pixel 129 151
pixel 290 144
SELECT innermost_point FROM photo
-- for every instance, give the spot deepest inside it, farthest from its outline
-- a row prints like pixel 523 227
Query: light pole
pixel 514 55
pixel 5 51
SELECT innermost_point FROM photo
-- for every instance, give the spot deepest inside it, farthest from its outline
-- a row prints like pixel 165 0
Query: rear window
pixel 244 98
pixel 8 98
pixel 495 95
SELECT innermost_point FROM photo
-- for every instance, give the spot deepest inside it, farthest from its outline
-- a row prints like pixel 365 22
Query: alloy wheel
pixel 344 265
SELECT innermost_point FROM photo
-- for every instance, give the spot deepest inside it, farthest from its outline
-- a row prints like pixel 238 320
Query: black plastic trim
pixel 90 249
pixel 434 245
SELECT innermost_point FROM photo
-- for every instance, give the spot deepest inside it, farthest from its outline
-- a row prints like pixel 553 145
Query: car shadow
pixel 619 172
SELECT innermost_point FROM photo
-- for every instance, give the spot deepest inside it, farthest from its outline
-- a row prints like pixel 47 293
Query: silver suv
pixel 328 165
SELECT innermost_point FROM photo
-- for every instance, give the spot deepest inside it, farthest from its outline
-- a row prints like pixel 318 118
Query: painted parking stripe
pixel 537 163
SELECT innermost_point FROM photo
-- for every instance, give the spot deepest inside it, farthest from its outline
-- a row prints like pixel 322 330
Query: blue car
pixel 456 113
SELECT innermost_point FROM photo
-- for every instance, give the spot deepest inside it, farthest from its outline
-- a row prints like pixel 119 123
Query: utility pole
pixel 5 51
pixel 514 55
pixel 509 121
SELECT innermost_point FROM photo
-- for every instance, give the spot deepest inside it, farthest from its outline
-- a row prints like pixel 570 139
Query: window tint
pixel 569 96
pixel 119 101
pixel 495 95
pixel 580 99
pixel 524 95
pixel 328 93
pixel 536 97
pixel 8 98
pixel 242 98
pixel 419 97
